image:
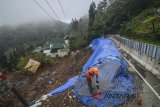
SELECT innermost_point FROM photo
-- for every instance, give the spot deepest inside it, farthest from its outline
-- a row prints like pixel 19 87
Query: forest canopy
pixel 19 41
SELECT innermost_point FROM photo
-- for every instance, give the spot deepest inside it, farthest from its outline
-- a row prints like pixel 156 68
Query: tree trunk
pixel 153 26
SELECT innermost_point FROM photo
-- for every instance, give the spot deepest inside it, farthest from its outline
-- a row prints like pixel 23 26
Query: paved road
pixel 148 97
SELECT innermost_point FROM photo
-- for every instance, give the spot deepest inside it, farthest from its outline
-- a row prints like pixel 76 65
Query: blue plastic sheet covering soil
pixel 112 71
pixel 62 88
pixel 115 84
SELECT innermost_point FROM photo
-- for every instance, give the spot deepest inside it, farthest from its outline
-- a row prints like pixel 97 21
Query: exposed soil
pixel 46 79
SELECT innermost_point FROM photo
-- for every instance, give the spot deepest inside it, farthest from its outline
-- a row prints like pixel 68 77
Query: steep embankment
pixel 47 79
pixel 144 27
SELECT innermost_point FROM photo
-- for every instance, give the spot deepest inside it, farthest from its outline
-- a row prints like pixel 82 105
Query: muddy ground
pixel 45 80
pixel 48 78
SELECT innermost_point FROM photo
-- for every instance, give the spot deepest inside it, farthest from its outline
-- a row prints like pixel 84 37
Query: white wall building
pixel 60 52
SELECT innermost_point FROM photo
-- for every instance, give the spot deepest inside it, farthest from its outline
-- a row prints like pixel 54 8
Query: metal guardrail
pixel 148 49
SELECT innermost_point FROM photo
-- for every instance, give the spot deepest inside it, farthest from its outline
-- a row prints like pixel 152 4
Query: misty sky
pixel 16 12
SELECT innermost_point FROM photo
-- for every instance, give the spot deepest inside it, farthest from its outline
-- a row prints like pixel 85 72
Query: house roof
pixel 57 46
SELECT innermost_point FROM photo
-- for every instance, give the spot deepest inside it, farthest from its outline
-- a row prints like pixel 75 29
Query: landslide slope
pixel 46 79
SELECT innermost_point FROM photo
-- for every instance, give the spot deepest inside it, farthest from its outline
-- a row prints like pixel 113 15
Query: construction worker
pixel 90 74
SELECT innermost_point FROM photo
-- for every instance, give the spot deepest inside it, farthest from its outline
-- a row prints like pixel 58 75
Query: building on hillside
pixel 56 46
pixel 54 49
pixel 46 49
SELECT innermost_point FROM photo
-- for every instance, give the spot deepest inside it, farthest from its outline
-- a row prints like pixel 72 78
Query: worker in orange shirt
pixel 90 74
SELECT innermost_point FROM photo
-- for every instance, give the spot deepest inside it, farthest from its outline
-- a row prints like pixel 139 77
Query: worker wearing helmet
pixel 90 74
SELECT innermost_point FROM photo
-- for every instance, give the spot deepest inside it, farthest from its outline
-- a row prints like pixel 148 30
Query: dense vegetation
pixel 36 56
pixel 19 42
pixel 144 27
pixel 136 19
pixel 78 33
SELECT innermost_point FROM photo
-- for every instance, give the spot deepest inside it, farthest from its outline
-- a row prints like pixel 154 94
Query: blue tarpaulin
pixel 102 48
pixel 112 70
pixel 62 88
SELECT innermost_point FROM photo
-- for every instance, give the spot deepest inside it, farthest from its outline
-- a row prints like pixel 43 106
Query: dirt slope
pixel 46 79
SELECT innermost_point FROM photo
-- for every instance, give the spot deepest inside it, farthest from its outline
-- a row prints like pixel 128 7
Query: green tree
pixel 98 25
pixel 152 20
pixel 36 56
pixel 102 7
pixel 25 38
pixel 92 13
pixel 11 58
pixel 78 33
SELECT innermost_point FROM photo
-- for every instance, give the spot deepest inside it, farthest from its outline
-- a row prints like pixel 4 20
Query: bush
pixel 77 43
pixel 38 57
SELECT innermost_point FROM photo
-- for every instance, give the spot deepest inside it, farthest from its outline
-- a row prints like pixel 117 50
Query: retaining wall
pixel 146 54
